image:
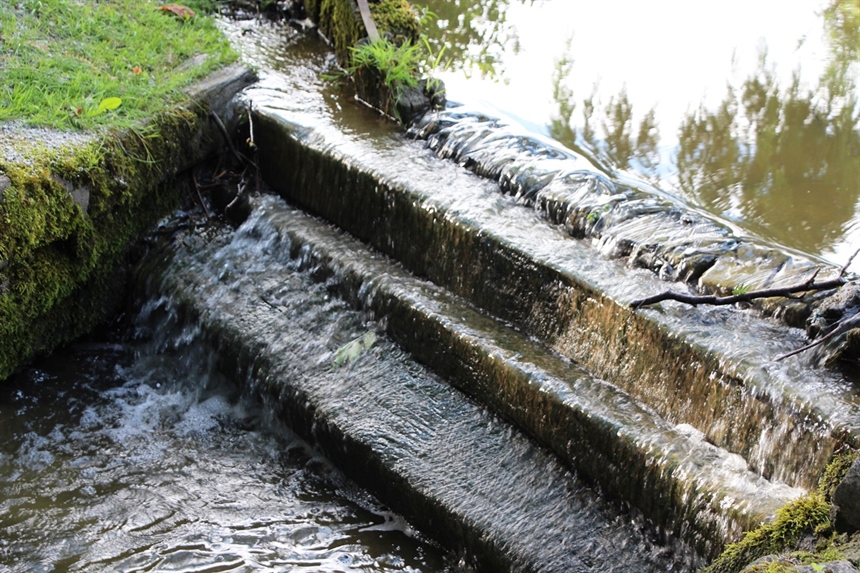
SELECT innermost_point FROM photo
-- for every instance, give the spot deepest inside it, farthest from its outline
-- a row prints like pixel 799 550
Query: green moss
pixel 808 515
pixel 397 17
pixel 341 23
pixel 54 251
pixel 834 473
pixel 803 515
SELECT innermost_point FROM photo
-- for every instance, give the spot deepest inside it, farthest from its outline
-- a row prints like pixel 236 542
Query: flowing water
pixel 136 455
pixel 746 110
pixel 132 453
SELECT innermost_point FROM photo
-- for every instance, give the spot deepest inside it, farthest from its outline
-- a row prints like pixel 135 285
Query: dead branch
pixel 695 300
pixel 840 327
pixel 848 263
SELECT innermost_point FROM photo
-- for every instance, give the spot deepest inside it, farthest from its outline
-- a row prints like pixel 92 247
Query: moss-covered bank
pixel 71 201
pixel 68 215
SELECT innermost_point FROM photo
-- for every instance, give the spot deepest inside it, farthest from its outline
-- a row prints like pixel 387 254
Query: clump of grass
pixel 60 60
pixel 399 65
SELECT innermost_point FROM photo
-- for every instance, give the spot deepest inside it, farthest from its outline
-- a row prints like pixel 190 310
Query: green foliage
pixel 65 62
pixel 740 289
pixel 399 66
pixel 105 105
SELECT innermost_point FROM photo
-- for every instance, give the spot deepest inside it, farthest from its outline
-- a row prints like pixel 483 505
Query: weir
pixel 445 315
pixel 680 412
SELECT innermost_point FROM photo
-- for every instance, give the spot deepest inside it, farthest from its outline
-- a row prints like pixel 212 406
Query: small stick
pixel 226 136
pixel 848 263
pixel 840 327
pixel 199 196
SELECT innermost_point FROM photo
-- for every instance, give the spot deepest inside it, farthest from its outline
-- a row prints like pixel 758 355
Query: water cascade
pixel 702 379
pixel 445 317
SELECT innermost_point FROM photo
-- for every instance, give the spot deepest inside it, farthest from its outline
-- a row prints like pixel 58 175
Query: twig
pixel 848 263
pixel 840 327
pixel 239 157
pixel 240 189
pixel 253 145
pixel 695 300
pixel 199 196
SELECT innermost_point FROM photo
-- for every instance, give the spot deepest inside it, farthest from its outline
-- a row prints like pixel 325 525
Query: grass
pixel 61 60
pixel 399 65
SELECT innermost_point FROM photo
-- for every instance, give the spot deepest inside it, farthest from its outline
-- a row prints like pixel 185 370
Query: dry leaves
pixel 183 12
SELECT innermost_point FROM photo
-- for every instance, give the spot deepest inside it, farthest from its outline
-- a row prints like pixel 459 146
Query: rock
pixel 845 513
pixel 763 563
pixel 80 195
pixel 414 102
pixel 841 566
pixel 5 183
pixel 789 564
pixel 834 308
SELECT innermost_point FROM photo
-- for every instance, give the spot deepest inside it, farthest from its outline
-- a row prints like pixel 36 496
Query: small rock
pixel 845 512
pixel 5 183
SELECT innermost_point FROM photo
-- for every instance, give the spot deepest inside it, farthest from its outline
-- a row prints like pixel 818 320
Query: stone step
pixel 460 474
pixel 708 368
pixel 691 489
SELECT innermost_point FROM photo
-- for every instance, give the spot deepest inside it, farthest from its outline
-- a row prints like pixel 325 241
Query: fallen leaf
pixel 183 12
pixel 106 104
pixel 350 351
pixel 137 70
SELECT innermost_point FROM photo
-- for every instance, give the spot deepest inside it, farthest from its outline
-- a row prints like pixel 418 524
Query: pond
pixel 746 110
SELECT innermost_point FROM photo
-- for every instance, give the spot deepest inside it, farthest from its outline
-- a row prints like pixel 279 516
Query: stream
pixel 129 452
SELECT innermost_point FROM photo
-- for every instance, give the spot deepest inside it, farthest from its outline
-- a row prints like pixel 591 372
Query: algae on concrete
pixel 807 517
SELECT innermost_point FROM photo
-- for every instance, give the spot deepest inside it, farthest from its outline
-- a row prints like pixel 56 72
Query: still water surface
pixel 746 109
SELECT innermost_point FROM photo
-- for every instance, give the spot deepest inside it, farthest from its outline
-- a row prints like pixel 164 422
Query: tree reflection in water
pixel 475 35
pixel 782 159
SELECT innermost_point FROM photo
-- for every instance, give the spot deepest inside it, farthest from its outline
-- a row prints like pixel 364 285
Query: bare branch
pixel 848 263
pixel 695 300
pixel 840 327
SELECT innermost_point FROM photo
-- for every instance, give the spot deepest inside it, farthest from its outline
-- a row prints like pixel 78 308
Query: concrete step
pixel 461 474
pixel 708 368
pixel 687 487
